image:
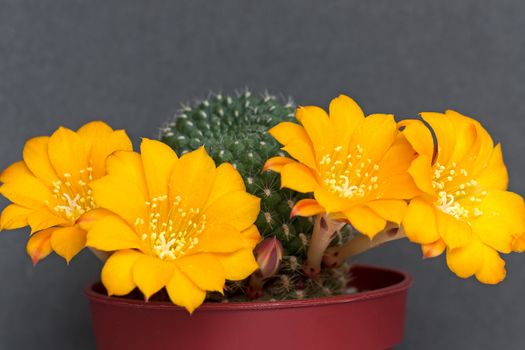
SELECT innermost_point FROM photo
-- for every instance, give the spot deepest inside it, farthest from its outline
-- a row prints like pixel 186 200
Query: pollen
pixel 170 229
pixel 458 195
pixel 349 174
pixel 73 195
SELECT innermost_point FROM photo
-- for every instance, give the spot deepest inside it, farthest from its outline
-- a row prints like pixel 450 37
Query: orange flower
pixel 464 207
pixel 50 189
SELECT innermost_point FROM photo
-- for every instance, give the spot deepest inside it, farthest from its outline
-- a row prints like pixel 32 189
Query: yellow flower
pixel 179 223
pixel 465 207
pixel 50 190
pixel 355 166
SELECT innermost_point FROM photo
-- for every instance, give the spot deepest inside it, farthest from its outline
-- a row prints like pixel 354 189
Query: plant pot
pixel 371 319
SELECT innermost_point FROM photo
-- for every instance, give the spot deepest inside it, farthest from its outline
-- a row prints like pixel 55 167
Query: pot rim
pixel 401 286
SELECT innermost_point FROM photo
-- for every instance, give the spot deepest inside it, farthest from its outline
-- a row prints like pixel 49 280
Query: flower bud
pixel 269 254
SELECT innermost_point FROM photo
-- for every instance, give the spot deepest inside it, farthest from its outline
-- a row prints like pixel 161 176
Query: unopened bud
pixel 269 254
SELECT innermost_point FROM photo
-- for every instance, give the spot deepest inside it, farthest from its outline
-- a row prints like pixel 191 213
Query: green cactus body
pixel 235 130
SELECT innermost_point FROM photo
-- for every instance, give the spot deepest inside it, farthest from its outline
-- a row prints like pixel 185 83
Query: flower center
pixel 458 195
pixel 171 229
pixel 349 175
pixel 73 195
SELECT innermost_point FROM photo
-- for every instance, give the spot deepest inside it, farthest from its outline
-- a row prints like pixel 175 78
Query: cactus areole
pixel 235 129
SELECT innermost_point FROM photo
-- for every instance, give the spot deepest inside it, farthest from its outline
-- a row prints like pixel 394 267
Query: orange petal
pixel 454 232
pixel 307 207
pixel 365 220
pixel 205 270
pixel 150 274
pixel 286 132
pixel 423 174
pixel 420 222
pixel 117 273
pixel 37 159
pixel 298 177
pixel 390 209
pixel 87 220
pixel 276 163
pixel 433 250
pixel 13 217
pixel 492 270
pixel 345 116
pixel 419 136
pixel 39 245
pixel 68 241
pixel 183 292
pixel 158 160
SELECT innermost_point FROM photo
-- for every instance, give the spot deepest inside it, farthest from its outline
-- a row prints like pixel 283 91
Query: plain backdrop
pixel 131 63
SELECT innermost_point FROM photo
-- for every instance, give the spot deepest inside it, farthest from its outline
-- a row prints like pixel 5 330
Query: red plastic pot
pixel 372 319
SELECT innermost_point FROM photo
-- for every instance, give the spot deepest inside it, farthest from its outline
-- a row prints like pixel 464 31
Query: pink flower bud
pixel 269 254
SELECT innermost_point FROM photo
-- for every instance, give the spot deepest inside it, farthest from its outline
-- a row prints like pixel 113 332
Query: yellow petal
pixel 37 159
pixel 423 174
pixel 400 186
pixel 276 163
pixel 67 153
pixel 151 274
pixel 219 238
pixel 434 249
pixel 87 220
pixel 318 127
pixel 192 178
pixel 227 180
pixel 492 270
pixel 239 209
pixel 454 232
pixel 127 167
pixel 389 209
pixel 39 245
pixel 397 158
pixel 101 141
pixel 494 175
pixel 466 135
pixel 205 270
pixel 301 151
pixel 419 136
pixel 375 135
pixel 117 273
pixel 42 219
pixel 110 233
pixel 307 207
pixel 365 220
pixel 420 222
pixel 467 260
pixel 158 160
pixel 445 134
pixel 251 236
pixel 68 241
pixel 183 292
pixel 298 177
pixel 345 116
pixel 286 132
pixel 238 265
pixel 518 244
pixel 13 217
pixel 503 216
pixel 331 202
pixel 22 188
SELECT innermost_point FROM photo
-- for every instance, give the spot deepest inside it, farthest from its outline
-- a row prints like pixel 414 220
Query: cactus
pixel 234 129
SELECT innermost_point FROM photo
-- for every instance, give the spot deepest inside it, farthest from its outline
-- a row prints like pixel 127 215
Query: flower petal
pixel 423 174
pixel 434 249
pixel 227 180
pixel 306 207
pixel 365 220
pixel 390 209
pixel 331 202
pixel 37 159
pixel 239 209
pixel 454 232
pixel 39 245
pixel 68 241
pixel 276 163
pixel 494 175
pixel 219 238
pixel 238 265
pixel 420 222
pixel 419 136
pixel 251 236
pixel 192 178
pixel 42 219
pixel 298 177
pixel 301 151
pixel 111 233
pixel 183 292
pixel 492 270
pixel 445 134
pixel 467 260
pixel 318 127
pixel 86 221
pixel 345 116
pixel 117 273
pixel 205 270
pixel 67 153
pixel 150 274
pixel 286 132
pixel 158 160
pixel 375 136
pixel 13 217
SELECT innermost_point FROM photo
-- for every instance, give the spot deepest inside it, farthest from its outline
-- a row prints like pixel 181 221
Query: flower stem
pixel 335 256
pixel 323 233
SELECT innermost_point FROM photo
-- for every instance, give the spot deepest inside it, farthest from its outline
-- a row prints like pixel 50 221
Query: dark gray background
pixel 132 62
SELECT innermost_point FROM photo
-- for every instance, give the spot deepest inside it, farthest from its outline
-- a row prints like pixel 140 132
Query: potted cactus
pixel 246 212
